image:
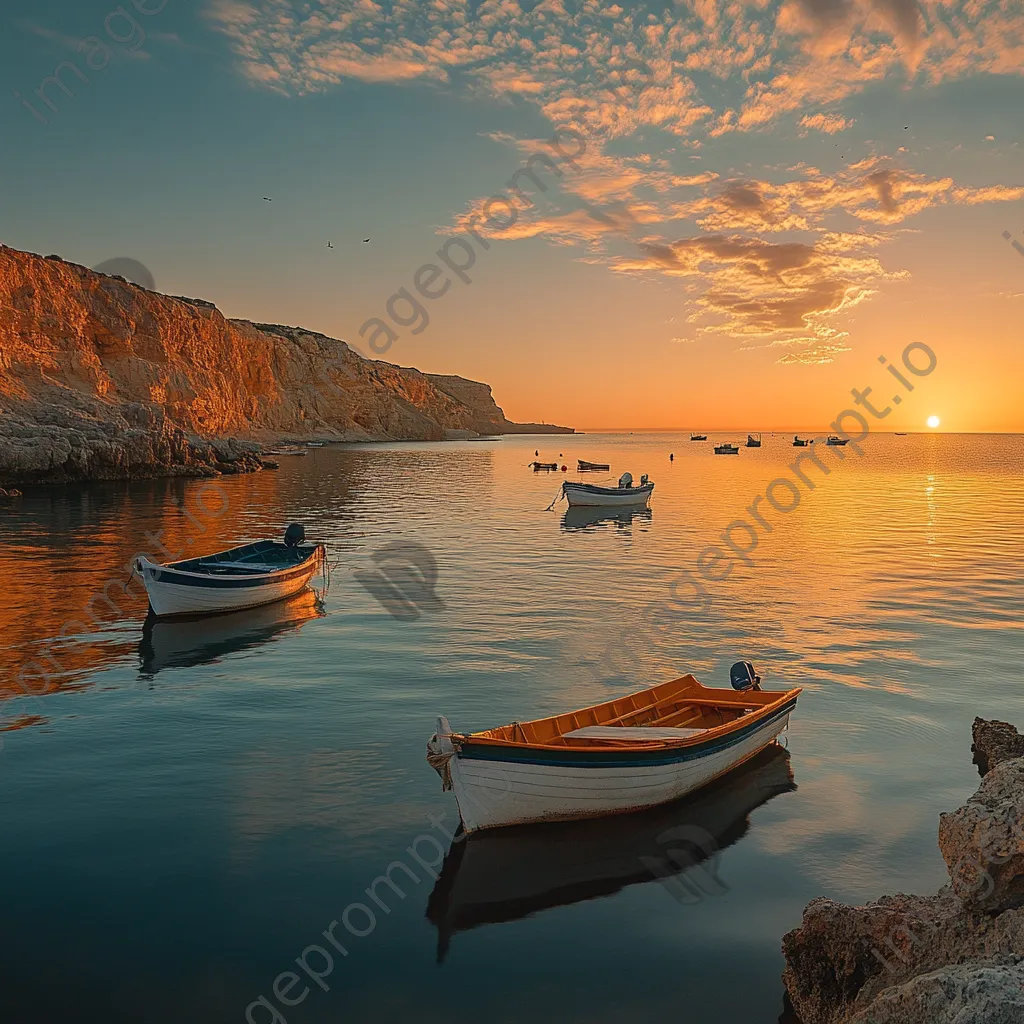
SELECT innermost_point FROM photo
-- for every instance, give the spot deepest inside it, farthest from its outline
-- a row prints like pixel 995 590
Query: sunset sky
pixel 768 196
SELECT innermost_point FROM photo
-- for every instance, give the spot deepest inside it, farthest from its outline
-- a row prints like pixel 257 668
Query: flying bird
pixel 329 246
pixel 365 240
pixel 267 200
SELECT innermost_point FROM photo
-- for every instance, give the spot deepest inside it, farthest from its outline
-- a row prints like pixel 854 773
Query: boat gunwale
pixel 765 710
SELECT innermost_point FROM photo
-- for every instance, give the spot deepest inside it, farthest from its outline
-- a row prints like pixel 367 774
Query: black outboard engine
pixel 743 677
pixel 294 535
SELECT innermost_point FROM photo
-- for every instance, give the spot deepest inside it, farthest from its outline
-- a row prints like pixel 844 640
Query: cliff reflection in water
pixel 506 874
pixel 188 642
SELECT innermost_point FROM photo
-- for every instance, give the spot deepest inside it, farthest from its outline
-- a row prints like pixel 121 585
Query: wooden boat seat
pixel 627 732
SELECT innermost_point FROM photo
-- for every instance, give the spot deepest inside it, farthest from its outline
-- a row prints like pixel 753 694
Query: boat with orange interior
pixel 624 755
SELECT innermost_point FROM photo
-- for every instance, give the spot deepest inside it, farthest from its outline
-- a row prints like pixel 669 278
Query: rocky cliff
pixel 100 378
pixel 953 958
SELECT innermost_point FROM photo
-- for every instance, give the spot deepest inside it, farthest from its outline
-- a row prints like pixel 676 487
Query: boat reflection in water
pixel 582 517
pixel 199 640
pixel 498 875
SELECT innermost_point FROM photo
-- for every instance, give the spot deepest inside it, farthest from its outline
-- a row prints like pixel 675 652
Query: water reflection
pixel 199 640
pixel 509 873
pixel 579 517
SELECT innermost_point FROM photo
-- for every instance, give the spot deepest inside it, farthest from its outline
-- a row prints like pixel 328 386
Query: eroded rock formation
pixel 953 958
pixel 100 378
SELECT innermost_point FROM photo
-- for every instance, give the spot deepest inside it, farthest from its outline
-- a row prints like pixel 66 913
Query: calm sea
pixel 185 809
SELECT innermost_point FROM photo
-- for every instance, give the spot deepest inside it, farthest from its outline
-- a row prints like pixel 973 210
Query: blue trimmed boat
pixel 241 577
pixel 625 755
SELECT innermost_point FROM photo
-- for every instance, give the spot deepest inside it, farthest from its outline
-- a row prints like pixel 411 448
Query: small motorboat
pixel 314 444
pixel 901 433
pixel 242 577
pixel 587 467
pixel 291 450
pixel 623 495
pixel 727 449
pixel 544 465
pixel 624 755
pixel 753 440
pixel 698 437
pixel 837 442
pixel 799 442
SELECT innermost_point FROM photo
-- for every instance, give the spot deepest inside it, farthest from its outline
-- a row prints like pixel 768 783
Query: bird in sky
pixel 365 240
pixel 329 246
pixel 267 200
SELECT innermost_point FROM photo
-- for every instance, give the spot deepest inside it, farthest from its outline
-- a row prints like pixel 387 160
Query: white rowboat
pixel 242 577
pixel 592 495
pixel 664 742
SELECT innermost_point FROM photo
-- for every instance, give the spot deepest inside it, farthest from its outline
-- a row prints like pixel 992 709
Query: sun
pixel 933 421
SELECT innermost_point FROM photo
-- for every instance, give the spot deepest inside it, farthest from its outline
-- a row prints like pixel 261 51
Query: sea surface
pixel 186 808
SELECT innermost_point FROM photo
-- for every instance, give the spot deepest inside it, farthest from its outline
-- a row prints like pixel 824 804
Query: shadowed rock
pixel 953 958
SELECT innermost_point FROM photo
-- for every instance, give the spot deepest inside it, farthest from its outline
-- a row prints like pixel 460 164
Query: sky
pixel 736 209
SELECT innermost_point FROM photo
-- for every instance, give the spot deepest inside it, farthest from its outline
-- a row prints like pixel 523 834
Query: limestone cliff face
pixel 100 378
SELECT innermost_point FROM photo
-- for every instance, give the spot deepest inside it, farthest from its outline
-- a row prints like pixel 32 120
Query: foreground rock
pixel 100 378
pixel 955 957
pixel 995 742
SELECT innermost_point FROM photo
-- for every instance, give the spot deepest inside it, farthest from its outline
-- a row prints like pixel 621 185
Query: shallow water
pixel 187 808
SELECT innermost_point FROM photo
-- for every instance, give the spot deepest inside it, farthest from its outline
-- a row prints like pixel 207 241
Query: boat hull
pixel 493 792
pixel 173 592
pixel 601 497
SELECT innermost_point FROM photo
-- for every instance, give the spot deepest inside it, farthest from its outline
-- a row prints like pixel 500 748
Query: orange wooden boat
pixel 623 755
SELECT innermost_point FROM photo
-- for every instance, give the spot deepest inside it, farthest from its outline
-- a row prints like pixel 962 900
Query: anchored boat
pixel 727 449
pixel 799 442
pixel 698 437
pixel 753 440
pixel 242 577
pixel 623 755
pixel 623 495
pixel 544 465
pixel 837 442
pixel 586 467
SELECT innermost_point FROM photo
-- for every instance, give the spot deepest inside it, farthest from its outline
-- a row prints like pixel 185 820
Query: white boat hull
pixel 606 497
pixel 493 793
pixel 193 594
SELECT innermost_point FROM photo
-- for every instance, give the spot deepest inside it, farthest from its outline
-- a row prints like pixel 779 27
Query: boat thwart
pixel 624 755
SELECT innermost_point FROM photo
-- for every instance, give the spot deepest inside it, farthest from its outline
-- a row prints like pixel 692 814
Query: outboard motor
pixel 294 535
pixel 743 677
pixel 643 480
pixel 626 480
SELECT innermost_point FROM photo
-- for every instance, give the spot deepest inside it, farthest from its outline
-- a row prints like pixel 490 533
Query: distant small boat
pixel 727 449
pixel 698 437
pixel 624 755
pixel 583 466
pixel 623 495
pixel 753 440
pixel 901 433
pixel 837 442
pixel 242 577
pixel 314 444
pixel 286 451
pixel 544 465
pixel 799 442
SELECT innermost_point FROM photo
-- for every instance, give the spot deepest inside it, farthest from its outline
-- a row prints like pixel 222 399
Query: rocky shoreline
pixel 953 958
pixel 101 379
